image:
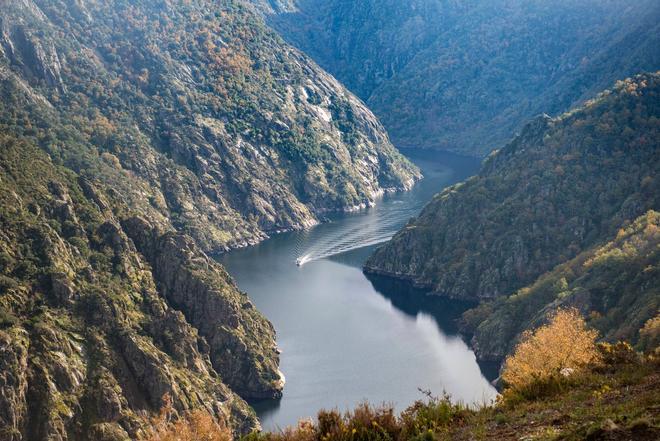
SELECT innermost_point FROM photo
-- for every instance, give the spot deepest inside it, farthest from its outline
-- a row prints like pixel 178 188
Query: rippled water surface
pixel 346 337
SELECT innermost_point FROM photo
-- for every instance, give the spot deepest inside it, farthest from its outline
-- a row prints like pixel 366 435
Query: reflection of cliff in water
pixel 413 301
pixel 266 409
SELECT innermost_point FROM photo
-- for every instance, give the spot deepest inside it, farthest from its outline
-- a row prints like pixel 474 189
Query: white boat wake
pixel 364 230
pixel 329 248
pixel 300 261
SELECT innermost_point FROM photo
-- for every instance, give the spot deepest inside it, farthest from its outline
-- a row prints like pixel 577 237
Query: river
pixel 346 337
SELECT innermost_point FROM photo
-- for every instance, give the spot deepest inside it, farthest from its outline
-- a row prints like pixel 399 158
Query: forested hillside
pixel 134 137
pixel 561 187
pixel 229 133
pixel 616 286
pixel 465 76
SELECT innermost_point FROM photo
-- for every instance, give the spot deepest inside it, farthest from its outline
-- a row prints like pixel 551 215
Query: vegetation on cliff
pixel 466 75
pixel 615 285
pixel 561 187
pixel 96 322
pixel 210 117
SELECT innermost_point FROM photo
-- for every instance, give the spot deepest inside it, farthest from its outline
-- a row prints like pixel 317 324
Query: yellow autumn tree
pixel 198 425
pixel 564 344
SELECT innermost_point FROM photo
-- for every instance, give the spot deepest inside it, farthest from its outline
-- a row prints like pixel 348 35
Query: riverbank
pixel 344 337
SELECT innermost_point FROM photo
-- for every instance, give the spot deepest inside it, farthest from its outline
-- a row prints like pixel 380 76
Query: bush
pixel 195 426
pixel 557 349
pixel 421 421
pixel 649 335
pixel 617 354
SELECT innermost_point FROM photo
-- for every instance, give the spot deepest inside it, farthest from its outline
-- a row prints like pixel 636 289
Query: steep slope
pixel 231 133
pixel 102 315
pixel 561 187
pixel 465 76
pixel 616 286
pixel 134 137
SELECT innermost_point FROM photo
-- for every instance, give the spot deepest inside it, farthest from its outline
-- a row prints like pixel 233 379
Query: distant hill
pixel 465 76
pixel 562 186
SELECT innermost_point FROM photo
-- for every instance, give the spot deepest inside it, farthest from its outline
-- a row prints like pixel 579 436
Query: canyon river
pixel 346 337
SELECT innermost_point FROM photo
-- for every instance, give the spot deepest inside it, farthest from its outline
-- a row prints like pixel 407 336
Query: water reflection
pixel 413 301
pixel 346 338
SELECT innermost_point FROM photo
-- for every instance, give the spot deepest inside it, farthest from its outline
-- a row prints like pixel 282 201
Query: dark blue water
pixel 346 338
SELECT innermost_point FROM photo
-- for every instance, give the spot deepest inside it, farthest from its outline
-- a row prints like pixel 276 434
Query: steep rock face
pixel 200 288
pixel 228 133
pixel 94 333
pixel 562 186
pixel 616 286
pixel 466 75
pixel 134 137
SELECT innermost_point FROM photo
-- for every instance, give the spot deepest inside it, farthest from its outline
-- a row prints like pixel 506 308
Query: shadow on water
pixel 345 337
pixel 266 409
pixel 412 301
pixel 446 312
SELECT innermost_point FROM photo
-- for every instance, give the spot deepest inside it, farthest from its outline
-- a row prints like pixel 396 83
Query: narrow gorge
pixel 206 232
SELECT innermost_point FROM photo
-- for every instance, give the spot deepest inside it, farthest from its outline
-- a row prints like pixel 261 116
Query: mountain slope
pixel 231 133
pixel 134 137
pixel 616 286
pixel 102 315
pixel 562 186
pixel 465 76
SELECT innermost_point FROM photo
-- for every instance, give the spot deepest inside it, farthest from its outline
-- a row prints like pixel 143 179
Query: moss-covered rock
pixel 94 333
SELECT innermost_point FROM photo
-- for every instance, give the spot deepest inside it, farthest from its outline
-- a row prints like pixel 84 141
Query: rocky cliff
pixel 135 137
pixel 562 186
pixel 230 133
pixel 466 75
pixel 102 316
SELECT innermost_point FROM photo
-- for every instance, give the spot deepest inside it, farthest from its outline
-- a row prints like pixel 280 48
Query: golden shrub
pixel 198 425
pixel 564 343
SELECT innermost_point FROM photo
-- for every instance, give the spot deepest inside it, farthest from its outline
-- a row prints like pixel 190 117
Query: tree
pixel 197 425
pixel 564 343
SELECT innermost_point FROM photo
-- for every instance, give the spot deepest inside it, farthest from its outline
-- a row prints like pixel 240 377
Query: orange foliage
pixel 565 342
pixel 198 425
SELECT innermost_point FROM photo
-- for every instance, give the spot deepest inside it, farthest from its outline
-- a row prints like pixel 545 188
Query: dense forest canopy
pixel 563 185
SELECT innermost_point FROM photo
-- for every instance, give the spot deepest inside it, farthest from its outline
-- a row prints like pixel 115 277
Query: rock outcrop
pixel 103 315
pixel 199 287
